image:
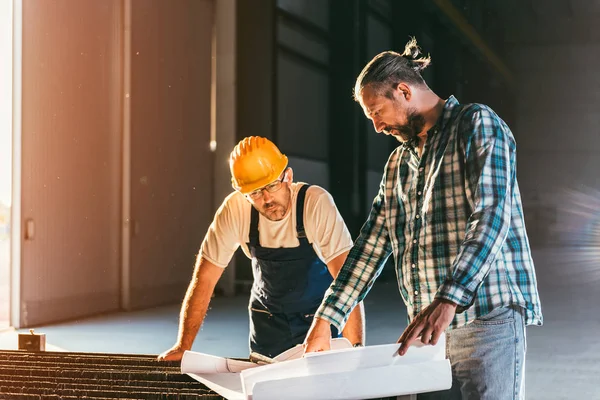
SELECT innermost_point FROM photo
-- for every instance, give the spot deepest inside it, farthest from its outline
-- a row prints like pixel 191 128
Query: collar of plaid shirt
pixel 453 221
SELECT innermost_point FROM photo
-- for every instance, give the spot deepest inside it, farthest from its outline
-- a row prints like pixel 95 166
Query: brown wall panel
pixel 171 162
pixel 71 121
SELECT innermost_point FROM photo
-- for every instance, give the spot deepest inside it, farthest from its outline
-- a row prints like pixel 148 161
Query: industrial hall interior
pixel 299 199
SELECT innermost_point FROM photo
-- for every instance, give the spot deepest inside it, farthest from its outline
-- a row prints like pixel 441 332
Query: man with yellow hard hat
pixel 297 241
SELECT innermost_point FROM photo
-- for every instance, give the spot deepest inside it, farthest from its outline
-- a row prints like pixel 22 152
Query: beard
pixel 409 131
pixel 273 210
pixel 276 209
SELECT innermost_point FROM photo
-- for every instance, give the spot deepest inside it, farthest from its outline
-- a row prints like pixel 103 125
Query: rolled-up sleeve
pixel 362 266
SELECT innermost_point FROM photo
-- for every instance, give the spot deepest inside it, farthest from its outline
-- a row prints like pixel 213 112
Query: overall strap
pixel 253 235
pixel 300 212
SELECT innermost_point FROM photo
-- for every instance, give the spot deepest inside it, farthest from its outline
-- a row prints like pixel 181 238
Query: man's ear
pixel 404 91
pixel 289 175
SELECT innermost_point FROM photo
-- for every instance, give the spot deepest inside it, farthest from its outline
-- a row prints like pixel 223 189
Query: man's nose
pixel 378 125
pixel 267 197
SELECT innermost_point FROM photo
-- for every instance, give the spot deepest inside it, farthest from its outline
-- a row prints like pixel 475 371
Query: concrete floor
pixel 563 359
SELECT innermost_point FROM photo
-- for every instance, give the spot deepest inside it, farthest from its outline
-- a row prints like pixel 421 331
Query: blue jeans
pixel 487 358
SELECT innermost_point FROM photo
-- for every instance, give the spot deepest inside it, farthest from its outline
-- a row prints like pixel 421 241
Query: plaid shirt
pixel 453 220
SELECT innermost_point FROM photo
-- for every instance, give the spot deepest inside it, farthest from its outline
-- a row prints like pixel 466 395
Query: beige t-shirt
pixel 323 225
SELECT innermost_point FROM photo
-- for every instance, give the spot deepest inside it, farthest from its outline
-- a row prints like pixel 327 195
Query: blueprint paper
pixel 344 373
pixel 202 363
pixel 298 350
pixel 193 362
pixel 337 364
pixel 391 381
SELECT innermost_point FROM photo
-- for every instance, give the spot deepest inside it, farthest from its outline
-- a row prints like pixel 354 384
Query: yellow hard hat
pixel 255 162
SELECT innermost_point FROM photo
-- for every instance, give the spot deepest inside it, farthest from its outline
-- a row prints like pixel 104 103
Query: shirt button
pixel 413 266
pixel 419 193
pixel 416 292
pixel 418 216
pixel 421 169
pixel 415 241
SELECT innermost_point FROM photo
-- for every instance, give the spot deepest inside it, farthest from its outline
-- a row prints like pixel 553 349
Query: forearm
pixel 355 271
pixel 353 282
pixel 193 311
pixel 354 330
pixel 195 304
pixel 355 274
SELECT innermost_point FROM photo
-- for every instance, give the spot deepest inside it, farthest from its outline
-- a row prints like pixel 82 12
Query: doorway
pixel 6 60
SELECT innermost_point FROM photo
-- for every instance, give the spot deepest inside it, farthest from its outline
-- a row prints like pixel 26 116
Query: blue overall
pixel 289 284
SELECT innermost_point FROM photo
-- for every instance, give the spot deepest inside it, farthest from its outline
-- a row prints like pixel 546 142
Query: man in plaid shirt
pixel 449 210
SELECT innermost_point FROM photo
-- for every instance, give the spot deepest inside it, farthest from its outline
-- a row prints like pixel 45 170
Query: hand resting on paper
pixel 175 353
pixel 318 337
pixel 429 324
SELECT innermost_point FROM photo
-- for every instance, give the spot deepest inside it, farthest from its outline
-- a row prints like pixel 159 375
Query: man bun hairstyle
pixel 387 69
pixel 412 52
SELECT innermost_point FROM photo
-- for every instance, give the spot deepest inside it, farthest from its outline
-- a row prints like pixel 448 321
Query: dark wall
pixel 297 64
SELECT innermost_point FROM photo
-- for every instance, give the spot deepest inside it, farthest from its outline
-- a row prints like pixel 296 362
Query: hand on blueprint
pixel 429 324
pixel 318 336
pixel 175 353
